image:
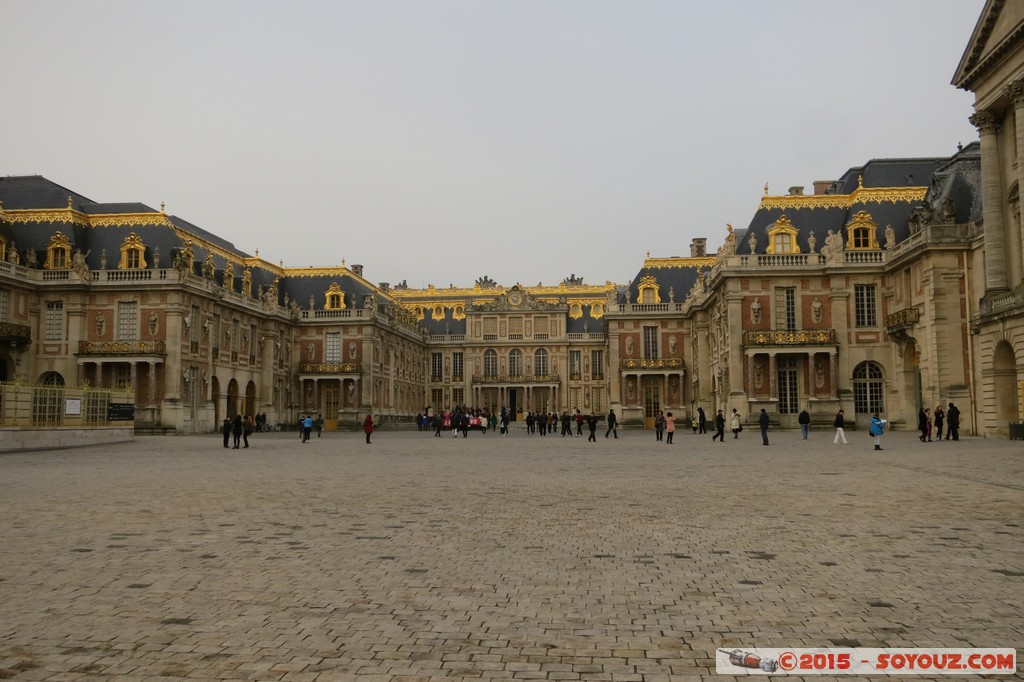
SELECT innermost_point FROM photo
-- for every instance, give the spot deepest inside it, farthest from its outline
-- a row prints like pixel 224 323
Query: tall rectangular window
pixel 458 363
pixel 123 376
pixel 540 327
pixel 127 321
pixel 651 342
pixel 788 388
pixel 490 328
pixel 458 396
pixel 515 327
pixel 436 366
pixel 575 365
pixel 597 400
pixel 4 298
pixel 53 324
pixel 437 400
pixel 785 308
pixel 865 313
pixel 597 364
pixel 332 348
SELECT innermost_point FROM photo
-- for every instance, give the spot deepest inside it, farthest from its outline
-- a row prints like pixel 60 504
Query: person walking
pixel 719 428
pixel 307 428
pixel 670 427
pixel 922 423
pixel 592 427
pixel 226 430
pixel 940 418
pixel 613 424
pixel 319 424
pixel 236 431
pixel 368 426
pixel 840 426
pixel 952 422
pixel 702 421
pixel 735 424
pixel 805 423
pixel 877 429
pixel 659 425
pixel 762 421
pixel 579 423
pixel 247 428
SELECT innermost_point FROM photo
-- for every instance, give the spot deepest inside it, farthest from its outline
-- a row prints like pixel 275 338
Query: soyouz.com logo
pixel 864 661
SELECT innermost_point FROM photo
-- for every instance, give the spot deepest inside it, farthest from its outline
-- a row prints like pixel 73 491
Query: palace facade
pixel 898 285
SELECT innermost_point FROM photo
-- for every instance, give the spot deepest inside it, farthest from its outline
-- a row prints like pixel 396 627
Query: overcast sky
pixel 439 141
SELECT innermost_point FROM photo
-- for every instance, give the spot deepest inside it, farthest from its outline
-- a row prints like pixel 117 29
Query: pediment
pixel 998 33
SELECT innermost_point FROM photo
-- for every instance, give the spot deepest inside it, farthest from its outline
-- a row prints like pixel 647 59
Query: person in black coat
pixel 719 427
pixel 226 430
pixel 952 422
pixel 613 424
pixel 236 430
pixel 762 421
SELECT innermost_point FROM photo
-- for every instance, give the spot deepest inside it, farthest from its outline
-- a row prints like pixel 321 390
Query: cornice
pixel 861 195
pixel 691 262
pixel 73 217
pixel 477 292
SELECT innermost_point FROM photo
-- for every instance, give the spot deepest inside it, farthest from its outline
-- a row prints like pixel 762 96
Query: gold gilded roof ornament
pixel 766 188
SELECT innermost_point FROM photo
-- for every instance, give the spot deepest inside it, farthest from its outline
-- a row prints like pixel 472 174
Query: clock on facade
pixel 515 298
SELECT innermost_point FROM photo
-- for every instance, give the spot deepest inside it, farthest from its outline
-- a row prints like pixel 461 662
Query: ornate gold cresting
pixel 334 297
pixel 681 262
pixel 133 253
pixel 783 227
pixel 58 253
pixel 648 283
pixel 862 195
pixel 862 232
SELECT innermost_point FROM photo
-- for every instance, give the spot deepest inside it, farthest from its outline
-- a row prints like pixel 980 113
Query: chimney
pixel 357 269
pixel 384 286
pixel 823 186
pixel 796 191
pixel 698 247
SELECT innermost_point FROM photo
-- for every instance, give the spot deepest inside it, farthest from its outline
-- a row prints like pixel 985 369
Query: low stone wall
pixel 20 440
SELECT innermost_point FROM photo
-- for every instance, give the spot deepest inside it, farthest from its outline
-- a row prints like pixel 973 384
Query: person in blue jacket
pixel 877 428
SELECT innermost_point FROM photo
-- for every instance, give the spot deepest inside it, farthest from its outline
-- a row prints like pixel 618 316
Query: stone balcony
pixel 651 363
pixel 518 379
pixel 331 368
pixel 901 320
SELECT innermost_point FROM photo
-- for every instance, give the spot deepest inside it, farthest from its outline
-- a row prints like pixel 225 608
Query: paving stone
pixel 498 558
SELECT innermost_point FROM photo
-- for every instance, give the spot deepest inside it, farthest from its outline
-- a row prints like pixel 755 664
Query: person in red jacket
pixel 368 427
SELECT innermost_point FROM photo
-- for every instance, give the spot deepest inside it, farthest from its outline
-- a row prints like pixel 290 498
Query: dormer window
pixel 863 232
pixel 782 237
pixel 133 253
pixel 58 253
pixel 335 298
pixel 648 290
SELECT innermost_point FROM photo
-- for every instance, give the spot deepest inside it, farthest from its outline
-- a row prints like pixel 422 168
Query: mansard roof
pixel 675 277
pixel 889 190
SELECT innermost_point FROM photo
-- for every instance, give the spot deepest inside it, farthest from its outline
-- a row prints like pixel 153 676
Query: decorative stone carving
pixel 816 312
pixel 752 242
pixel 755 311
pixel 812 241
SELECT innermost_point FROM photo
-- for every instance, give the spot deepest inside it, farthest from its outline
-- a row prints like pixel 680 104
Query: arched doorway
pixel 1006 388
pixel 232 403
pixel 6 368
pixel 868 392
pixel 250 398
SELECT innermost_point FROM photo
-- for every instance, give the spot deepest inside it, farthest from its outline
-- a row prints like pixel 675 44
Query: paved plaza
pixel 490 557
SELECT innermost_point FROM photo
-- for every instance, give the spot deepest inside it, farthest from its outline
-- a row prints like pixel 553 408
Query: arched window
pixel 540 362
pixel 862 231
pixel 648 292
pixel 52 379
pixel 334 298
pixel 58 253
pixel 868 388
pixel 490 363
pixel 782 237
pixel 515 362
pixel 133 253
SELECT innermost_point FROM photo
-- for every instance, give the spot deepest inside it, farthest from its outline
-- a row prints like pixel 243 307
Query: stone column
pixel 99 375
pixel 992 201
pixel 833 365
pixel 133 374
pixel 748 384
pixel 773 378
pixel 1015 92
pixel 151 396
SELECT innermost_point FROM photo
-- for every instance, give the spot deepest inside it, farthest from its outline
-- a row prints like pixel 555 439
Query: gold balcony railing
pixel 122 348
pixel 332 368
pixel 651 363
pixel 517 379
pixel 791 337
pixel 15 334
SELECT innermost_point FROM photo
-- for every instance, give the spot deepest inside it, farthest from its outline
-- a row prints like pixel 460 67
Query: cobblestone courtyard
pixel 499 557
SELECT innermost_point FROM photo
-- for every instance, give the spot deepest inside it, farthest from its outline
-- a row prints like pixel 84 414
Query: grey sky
pixel 438 141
